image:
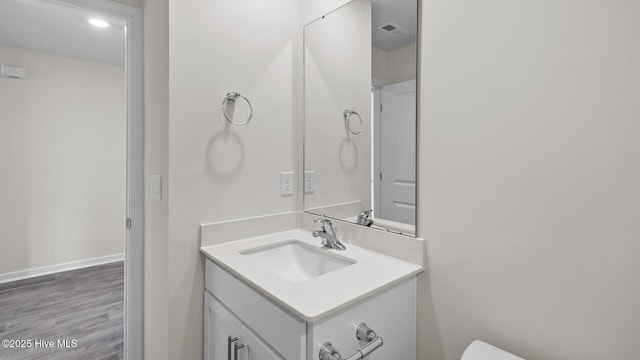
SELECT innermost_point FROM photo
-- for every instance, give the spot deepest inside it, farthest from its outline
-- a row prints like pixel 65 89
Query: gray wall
pixel 221 172
pixel 341 160
pixel 394 66
pixel 62 140
pixel 156 161
pixel 529 173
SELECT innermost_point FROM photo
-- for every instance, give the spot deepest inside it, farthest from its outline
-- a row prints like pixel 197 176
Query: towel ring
pixel 233 96
pixel 347 123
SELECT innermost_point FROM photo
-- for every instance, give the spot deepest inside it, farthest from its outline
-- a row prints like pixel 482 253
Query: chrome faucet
pixel 328 235
pixel 364 218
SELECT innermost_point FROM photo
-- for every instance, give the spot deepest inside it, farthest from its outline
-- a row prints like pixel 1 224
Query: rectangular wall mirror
pixel 360 114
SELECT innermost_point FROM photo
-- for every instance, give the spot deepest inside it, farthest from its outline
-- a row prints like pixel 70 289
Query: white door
pixel 398 153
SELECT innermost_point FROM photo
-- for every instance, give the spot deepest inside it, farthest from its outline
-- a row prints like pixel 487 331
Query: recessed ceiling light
pixel 99 23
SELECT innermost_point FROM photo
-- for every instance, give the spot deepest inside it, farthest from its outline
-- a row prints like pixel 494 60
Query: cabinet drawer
pixel 283 332
pixel 390 313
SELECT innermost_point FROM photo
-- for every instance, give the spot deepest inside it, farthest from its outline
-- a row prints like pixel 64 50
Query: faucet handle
pixel 323 222
pixel 364 218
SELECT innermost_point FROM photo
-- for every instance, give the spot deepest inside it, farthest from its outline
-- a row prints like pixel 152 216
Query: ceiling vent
pixel 393 29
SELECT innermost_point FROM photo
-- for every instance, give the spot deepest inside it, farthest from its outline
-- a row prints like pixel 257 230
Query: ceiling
pixel 400 12
pixel 42 25
pixel 45 26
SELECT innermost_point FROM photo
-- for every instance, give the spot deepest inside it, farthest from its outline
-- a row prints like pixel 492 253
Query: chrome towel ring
pixel 233 96
pixel 347 121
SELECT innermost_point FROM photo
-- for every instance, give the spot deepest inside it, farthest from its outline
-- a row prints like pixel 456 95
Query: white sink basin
pixel 297 261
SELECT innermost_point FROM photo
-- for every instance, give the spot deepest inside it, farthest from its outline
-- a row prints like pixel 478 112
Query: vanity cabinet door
pixel 219 324
pixel 282 331
pixel 255 348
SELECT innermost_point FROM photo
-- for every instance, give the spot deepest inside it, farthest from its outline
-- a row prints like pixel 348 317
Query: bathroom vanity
pixel 285 296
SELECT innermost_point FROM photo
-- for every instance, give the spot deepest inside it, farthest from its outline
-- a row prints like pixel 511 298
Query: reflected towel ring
pixel 233 96
pixel 347 123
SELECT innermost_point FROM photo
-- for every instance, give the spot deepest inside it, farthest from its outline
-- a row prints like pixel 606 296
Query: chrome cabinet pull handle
pixel 369 342
pixel 236 347
pixel 230 341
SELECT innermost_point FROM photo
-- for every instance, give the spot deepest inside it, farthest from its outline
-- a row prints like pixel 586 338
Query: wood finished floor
pixel 86 305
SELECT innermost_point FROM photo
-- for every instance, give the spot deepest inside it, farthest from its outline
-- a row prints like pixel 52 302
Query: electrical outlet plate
pixel 286 183
pixel 13 72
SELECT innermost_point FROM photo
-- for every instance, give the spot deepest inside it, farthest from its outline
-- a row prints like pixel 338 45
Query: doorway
pixel 58 184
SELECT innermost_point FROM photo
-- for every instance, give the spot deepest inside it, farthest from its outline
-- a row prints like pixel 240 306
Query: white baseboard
pixel 52 269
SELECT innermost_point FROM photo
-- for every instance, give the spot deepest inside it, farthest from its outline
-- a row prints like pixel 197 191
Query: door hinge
pixel 128 223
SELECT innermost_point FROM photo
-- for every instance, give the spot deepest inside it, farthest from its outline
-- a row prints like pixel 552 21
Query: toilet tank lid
pixel 480 350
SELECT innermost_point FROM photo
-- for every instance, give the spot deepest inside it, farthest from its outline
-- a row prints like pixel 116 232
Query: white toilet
pixel 479 350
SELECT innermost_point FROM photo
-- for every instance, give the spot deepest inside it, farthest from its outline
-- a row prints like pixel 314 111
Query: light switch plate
pixel 156 187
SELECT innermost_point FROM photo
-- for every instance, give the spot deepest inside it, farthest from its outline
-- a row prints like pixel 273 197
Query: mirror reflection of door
pixel 394 51
pixel 397 171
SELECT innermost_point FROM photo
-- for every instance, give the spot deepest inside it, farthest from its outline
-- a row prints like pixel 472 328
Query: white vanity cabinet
pixel 269 331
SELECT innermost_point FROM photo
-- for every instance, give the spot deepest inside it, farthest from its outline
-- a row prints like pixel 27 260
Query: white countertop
pixel 320 296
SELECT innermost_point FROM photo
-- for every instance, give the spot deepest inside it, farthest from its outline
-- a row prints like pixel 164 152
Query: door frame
pixel 134 235
pixel 376 114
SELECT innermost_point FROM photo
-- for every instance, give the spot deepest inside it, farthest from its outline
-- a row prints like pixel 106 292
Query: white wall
pixel 133 3
pixel 313 9
pixel 156 152
pixel 62 140
pixel 219 172
pixel 394 66
pixel 338 78
pixel 529 173
pixel 379 64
